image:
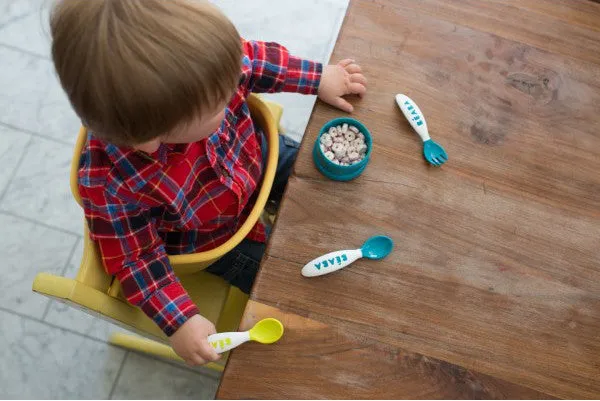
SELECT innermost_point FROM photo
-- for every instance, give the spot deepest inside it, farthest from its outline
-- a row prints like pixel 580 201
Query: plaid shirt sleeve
pixel 269 68
pixel 133 252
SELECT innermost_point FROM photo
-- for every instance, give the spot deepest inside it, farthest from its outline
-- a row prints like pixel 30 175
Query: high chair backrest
pixel 99 294
pixel 264 113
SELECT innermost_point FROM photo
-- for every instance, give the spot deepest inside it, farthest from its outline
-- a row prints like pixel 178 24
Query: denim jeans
pixel 240 265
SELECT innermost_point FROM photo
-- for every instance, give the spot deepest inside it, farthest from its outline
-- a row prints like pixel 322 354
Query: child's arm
pixel 133 252
pixel 268 67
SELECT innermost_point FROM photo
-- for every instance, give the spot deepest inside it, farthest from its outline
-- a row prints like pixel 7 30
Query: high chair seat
pixel 99 294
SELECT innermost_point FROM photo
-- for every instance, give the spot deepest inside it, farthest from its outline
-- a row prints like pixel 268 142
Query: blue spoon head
pixel 434 153
pixel 377 247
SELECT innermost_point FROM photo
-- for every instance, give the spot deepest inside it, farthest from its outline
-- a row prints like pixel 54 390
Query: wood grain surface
pixel 315 360
pixel 496 271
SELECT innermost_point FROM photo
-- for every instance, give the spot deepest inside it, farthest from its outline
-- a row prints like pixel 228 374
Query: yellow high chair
pixel 99 294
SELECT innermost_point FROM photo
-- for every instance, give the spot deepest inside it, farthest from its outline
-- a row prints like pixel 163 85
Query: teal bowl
pixel 335 171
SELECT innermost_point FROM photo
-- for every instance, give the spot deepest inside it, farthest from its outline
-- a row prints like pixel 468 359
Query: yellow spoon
pixel 267 331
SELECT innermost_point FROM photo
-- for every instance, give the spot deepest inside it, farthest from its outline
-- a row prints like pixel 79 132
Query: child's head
pixel 138 71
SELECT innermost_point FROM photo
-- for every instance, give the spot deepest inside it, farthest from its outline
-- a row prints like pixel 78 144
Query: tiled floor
pixel 47 349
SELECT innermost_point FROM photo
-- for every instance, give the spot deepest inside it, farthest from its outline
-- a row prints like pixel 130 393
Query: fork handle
pixel 414 116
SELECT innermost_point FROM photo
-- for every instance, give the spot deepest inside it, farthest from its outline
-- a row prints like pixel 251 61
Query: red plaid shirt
pixel 183 198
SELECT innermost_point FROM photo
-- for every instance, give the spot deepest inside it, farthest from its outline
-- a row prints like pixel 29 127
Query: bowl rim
pixel 347 120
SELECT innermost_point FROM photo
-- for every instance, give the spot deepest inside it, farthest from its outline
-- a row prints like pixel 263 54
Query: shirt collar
pixel 135 167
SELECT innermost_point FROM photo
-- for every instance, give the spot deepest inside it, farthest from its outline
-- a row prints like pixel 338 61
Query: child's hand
pixel 190 341
pixel 343 78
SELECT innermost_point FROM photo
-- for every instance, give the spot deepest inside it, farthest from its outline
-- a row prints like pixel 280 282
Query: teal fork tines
pixel 434 153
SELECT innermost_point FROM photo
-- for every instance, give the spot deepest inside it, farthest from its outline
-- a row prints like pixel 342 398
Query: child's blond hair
pixel 136 69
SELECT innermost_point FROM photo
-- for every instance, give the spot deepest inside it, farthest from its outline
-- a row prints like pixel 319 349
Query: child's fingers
pixel 202 358
pixel 195 360
pixel 353 68
pixel 342 104
pixel 209 352
pixel 358 78
pixel 357 88
pixel 346 62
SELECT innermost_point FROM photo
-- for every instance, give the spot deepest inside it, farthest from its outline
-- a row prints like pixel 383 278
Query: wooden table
pixel 493 290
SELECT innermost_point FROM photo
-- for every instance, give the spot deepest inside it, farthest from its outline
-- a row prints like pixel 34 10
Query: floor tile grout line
pixel 118 376
pixel 71 254
pixel 27 52
pixel 14 172
pixel 165 361
pixel 62 273
pixel 54 326
pixel 40 223
pixel 14 19
pixel 36 134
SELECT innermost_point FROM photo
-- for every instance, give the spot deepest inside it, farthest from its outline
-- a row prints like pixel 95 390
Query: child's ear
pixel 149 147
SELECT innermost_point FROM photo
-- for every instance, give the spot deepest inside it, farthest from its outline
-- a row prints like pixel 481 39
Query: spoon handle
pixel 414 116
pixel 223 342
pixel 331 262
